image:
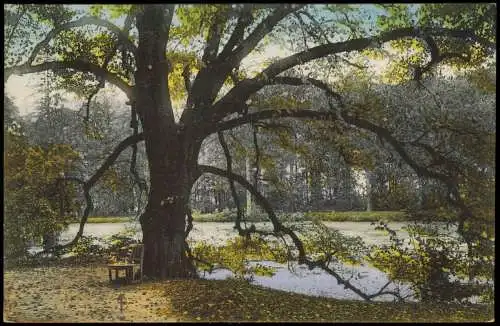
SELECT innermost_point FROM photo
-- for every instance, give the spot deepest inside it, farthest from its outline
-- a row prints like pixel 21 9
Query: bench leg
pixel 109 272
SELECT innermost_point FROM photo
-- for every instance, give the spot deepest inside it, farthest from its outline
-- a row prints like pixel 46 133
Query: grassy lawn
pixel 107 219
pixel 351 216
pixel 82 293
pixel 362 216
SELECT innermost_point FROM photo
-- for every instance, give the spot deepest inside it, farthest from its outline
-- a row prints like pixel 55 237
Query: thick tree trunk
pixel 171 149
pixel 164 220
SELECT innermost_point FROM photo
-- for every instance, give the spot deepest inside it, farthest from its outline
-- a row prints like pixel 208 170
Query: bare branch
pixel 87 186
pixel 239 211
pixel 169 10
pixel 214 36
pixel 278 227
pixel 113 156
pixel 257 156
pixel 436 57
pixel 244 20
pixel 79 65
pixel 272 114
pixel 262 30
pixel 186 76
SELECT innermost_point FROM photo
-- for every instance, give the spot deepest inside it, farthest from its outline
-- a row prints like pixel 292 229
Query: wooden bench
pixel 133 260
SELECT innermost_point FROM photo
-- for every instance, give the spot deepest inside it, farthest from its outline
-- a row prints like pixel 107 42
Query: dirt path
pixel 79 294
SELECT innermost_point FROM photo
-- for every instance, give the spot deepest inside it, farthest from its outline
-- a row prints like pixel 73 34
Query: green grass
pixel 229 216
pixel 352 216
pixel 107 219
pixel 214 217
pixel 233 300
pixel 362 216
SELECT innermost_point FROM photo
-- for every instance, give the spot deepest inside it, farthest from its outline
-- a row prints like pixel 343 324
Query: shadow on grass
pixel 234 300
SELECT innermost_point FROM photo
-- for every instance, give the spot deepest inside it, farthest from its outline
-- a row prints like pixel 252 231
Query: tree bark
pixel 172 152
pixel 164 220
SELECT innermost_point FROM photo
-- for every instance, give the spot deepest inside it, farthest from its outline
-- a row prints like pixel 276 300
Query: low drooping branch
pixel 239 211
pixel 113 156
pixel 280 230
pixel 257 156
pixel 87 186
pixel 278 227
pixel 450 180
pixel 381 132
pixel 79 65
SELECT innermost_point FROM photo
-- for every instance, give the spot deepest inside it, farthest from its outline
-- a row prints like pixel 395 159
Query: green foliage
pixel 34 204
pixel 236 254
pixel 117 243
pixel 108 219
pixel 114 11
pixel 53 15
pixel 433 262
pixel 87 247
pixel 328 244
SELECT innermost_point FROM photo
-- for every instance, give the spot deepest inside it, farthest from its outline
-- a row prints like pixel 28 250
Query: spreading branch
pixel 271 114
pixel 231 102
pixel 244 20
pixel 264 28
pixel 80 65
pixel 214 36
pixel 450 180
pixel 436 57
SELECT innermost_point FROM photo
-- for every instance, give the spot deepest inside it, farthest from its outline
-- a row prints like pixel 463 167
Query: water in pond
pixel 301 279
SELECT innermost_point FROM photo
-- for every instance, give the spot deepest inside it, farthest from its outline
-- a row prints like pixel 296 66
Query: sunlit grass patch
pixel 361 216
pixel 108 219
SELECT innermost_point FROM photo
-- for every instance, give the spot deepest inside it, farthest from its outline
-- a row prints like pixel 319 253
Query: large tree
pixel 151 53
